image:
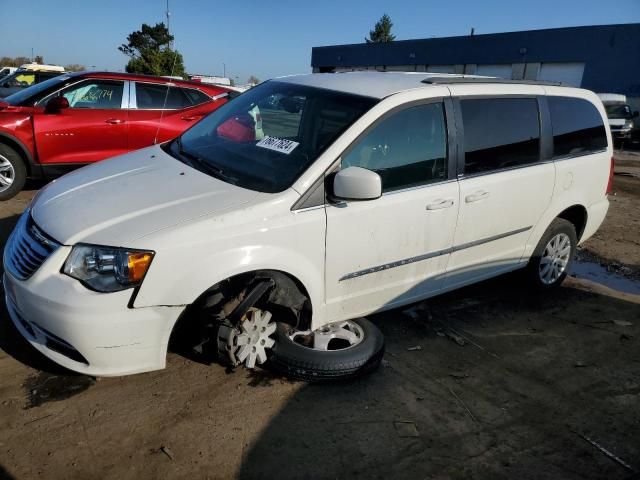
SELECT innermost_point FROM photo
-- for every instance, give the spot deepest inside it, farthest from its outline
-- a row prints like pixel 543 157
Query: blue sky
pixel 269 38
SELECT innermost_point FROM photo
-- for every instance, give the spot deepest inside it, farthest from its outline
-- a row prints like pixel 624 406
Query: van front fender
pixel 170 283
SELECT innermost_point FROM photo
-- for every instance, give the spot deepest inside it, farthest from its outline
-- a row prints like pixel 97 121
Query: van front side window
pixel 408 148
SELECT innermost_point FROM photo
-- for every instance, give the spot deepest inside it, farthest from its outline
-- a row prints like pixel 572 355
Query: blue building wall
pixel 611 53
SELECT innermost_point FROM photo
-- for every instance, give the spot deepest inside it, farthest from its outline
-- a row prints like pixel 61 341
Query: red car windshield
pixel 28 96
pixel 268 136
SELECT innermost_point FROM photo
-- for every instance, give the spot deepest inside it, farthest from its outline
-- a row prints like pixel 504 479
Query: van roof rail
pixel 461 79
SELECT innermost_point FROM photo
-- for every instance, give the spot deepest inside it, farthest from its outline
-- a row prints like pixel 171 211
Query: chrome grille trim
pixel 28 248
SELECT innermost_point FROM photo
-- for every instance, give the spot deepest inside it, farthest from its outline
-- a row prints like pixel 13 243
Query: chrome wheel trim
pixel 347 330
pixel 554 258
pixel 7 173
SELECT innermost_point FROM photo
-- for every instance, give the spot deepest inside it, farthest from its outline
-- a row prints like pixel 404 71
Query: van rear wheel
pixel 337 351
pixel 13 172
pixel 553 255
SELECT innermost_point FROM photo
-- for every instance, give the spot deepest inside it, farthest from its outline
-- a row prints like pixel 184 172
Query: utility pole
pixel 224 70
pixel 168 14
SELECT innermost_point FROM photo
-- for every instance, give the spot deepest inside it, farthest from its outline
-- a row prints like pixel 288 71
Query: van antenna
pixel 166 96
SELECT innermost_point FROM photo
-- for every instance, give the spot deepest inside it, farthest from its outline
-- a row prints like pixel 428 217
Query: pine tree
pixel 382 31
pixel 150 52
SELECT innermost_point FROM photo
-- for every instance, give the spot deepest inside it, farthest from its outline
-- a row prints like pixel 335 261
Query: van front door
pixel 394 249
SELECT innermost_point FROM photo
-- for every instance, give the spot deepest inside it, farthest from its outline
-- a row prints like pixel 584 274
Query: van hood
pixel 119 200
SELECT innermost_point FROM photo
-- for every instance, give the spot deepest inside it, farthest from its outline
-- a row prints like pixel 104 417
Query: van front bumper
pixel 622 133
pixel 89 332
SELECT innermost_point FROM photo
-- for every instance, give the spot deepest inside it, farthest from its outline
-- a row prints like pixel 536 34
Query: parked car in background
pixel 360 192
pixel 620 116
pixel 27 75
pixel 79 118
pixel 4 71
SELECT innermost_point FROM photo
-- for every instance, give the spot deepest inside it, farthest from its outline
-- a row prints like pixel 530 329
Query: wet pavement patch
pixel 46 387
pixel 598 273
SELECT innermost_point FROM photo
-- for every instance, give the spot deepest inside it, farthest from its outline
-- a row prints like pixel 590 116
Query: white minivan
pixel 356 193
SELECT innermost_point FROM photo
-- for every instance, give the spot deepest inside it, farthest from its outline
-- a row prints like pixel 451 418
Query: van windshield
pixel 267 137
pixel 618 111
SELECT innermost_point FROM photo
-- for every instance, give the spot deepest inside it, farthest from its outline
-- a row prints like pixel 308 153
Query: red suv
pixel 79 118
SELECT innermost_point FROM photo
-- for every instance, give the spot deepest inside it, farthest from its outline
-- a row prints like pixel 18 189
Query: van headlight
pixel 107 269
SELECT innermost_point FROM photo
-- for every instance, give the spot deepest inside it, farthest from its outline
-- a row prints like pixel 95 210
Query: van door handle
pixel 476 197
pixel 440 204
pixel 190 118
pixel 114 121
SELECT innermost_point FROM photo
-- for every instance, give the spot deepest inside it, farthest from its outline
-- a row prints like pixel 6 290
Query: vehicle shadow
pixel 4 475
pixel 490 381
pixel 6 227
pixel 14 344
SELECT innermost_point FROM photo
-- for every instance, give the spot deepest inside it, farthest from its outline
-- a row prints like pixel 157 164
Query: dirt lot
pixel 504 384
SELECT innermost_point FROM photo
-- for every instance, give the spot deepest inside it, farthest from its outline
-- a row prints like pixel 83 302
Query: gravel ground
pixel 487 382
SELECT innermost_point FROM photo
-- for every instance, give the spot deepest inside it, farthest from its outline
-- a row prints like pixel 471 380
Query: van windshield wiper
pixel 201 164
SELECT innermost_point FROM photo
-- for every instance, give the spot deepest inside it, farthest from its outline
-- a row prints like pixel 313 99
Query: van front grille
pixel 27 248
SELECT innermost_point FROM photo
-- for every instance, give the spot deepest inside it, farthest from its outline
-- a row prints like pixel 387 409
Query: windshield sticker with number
pixel 278 144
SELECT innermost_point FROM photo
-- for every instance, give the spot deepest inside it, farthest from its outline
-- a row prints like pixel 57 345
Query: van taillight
pixel 610 183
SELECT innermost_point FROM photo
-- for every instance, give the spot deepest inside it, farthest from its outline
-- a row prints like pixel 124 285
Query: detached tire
pixel 553 256
pixel 13 172
pixel 300 362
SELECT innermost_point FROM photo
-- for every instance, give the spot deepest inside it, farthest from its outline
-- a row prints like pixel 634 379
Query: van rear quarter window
pixel 500 133
pixel 578 127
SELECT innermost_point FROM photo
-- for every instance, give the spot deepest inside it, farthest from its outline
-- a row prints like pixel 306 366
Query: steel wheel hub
pixel 346 334
pixel 255 337
pixel 7 173
pixel 555 258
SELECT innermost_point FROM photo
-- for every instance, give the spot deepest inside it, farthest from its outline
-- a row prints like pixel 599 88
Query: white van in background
pixel 27 75
pixel 4 71
pixel 621 117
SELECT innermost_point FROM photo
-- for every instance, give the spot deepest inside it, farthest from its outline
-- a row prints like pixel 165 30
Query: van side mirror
pixel 56 104
pixel 357 183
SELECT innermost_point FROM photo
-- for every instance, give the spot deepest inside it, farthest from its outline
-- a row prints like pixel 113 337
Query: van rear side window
pixel 500 133
pixel 578 128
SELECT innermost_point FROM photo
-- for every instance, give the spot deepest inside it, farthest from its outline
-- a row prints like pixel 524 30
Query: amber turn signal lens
pixel 138 265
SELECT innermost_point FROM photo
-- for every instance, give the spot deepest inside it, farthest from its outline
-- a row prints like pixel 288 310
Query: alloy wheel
pixel 555 258
pixel 334 336
pixel 7 173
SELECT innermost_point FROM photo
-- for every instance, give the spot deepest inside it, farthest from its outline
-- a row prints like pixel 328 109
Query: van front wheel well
pixel 195 334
